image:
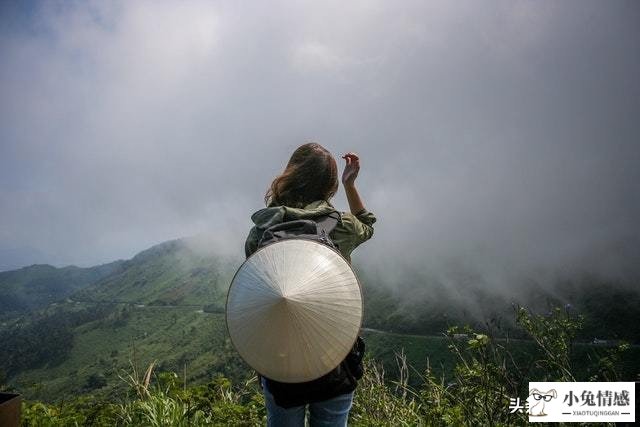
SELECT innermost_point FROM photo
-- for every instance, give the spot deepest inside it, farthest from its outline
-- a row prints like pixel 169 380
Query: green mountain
pixel 164 304
pixel 78 330
pixel 177 272
pixel 39 285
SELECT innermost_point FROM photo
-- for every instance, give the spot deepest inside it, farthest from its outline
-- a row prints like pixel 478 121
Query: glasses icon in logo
pixel 536 407
pixel 546 398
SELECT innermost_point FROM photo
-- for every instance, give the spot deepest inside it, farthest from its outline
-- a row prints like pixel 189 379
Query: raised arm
pixel 351 169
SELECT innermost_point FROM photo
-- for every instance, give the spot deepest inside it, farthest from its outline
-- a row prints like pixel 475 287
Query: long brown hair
pixel 311 174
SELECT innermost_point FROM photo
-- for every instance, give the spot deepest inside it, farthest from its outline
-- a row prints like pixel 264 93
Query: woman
pixel 304 191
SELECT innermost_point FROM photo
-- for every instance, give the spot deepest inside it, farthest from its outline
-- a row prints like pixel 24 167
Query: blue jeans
pixel 328 413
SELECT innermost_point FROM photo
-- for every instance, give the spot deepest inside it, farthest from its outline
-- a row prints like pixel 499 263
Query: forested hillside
pixel 171 273
pixel 167 305
pixel 37 286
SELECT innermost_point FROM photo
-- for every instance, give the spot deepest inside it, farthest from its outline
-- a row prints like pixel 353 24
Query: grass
pixel 433 352
pixel 186 337
pixel 475 391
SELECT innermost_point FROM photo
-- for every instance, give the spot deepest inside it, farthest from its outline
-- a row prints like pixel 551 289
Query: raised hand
pixel 351 168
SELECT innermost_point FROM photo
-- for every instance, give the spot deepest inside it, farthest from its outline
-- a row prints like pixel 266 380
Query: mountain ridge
pixel 35 286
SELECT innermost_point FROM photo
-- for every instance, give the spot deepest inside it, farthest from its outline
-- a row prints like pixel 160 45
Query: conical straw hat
pixel 294 310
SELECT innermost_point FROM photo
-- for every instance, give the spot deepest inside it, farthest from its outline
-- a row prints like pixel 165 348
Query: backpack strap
pixel 328 222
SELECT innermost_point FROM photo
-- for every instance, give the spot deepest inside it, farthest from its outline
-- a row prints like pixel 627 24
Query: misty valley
pixel 72 332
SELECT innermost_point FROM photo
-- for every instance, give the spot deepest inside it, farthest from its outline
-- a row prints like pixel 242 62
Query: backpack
pixel 343 378
pixel 317 230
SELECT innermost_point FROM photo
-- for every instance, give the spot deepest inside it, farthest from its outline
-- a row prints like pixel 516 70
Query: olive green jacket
pixel 351 230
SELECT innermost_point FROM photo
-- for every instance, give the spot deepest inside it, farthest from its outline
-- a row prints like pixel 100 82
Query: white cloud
pixel 503 126
pixel 314 56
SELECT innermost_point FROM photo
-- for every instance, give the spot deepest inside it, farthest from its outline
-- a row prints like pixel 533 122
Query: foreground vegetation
pixel 477 391
pixel 68 350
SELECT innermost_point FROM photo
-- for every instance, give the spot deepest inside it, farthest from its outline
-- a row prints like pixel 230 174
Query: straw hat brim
pixel 294 310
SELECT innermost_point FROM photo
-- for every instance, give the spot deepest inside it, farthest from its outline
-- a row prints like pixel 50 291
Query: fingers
pixel 352 159
pixel 351 167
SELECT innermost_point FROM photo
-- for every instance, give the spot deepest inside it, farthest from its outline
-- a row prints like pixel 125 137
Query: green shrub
pixel 487 374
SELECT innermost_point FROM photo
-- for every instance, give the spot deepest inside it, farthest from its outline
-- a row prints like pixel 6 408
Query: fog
pixel 498 139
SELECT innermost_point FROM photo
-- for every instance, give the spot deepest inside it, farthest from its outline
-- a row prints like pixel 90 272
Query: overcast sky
pixel 503 135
